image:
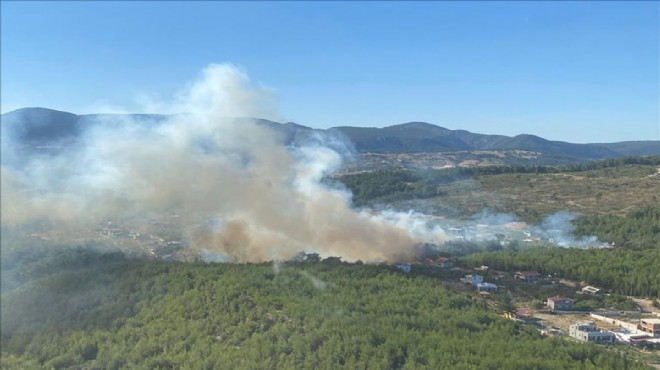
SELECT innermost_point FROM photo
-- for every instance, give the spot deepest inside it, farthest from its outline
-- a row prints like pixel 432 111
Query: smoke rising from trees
pixel 204 163
pixel 267 200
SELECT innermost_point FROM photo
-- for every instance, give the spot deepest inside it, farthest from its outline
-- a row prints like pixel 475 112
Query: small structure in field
pixel 558 303
pixel 590 290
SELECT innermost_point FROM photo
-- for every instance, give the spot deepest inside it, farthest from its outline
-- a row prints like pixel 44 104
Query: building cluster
pixel 644 332
pixel 478 282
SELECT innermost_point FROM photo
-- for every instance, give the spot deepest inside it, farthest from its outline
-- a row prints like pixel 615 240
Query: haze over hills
pixel 42 126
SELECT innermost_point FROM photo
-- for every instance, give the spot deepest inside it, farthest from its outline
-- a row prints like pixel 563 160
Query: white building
pixel 597 292
pixel 473 279
pixel 588 332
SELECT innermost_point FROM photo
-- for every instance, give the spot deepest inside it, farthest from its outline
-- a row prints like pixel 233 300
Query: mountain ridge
pixel 39 125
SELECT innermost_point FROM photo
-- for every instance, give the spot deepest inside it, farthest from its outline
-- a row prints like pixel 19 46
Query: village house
pixel 590 290
pixel 473 279
pixel 441 262
pixel 558 303
pixel 527 276
pixel 521 314
pixel 588 332
pixel 651 326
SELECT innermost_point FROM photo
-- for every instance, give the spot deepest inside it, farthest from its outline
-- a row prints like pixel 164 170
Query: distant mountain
pixel 41 126
pixel 425 137
pixel 649 147
pixel 407 137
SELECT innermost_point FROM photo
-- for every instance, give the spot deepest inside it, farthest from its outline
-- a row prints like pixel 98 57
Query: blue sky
pixel 574 71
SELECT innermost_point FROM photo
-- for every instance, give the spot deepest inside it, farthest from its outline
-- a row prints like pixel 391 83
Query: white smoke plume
pixel 316 282
pixel 203 164
pixel 555 229
pixel 558 229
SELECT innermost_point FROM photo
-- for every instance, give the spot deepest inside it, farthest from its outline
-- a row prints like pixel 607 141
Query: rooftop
pixel 587 326
pixel 487 285
pixel 558 298
pixel 528 273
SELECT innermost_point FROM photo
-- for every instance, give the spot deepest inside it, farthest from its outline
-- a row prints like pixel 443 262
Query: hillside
pixel 425 137
pixel 612 187
pixel 614 200
pixel 116 314
pixel 648 147
pixel 40 126
pixel 72 306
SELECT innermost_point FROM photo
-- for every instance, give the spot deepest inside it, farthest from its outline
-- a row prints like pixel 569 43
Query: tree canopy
pixel 117 314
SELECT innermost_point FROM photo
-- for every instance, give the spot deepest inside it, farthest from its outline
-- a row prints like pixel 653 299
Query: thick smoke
pixel 239 191
pixel 267 199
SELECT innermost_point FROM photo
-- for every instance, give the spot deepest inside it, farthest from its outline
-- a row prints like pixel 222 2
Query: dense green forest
pixel 639 230
pixel 625 271
pixel 117 313
pixel 387 186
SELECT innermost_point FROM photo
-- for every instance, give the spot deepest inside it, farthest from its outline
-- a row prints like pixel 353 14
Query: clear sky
pixel 574 71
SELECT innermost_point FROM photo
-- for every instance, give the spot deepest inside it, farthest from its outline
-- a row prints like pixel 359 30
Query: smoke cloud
pixel 239 191
pixel 267 199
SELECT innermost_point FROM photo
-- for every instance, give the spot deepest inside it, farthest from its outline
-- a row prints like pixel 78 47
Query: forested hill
pixel 120 314
pixel 39 126
pixel 613 200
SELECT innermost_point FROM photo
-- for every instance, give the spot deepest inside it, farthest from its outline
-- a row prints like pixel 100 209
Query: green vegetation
pixel 610 301
pixel 68 308
pixel 617 200
pixel 639 230
pixel 609 187
pixel 388 186
pixel 599 192
pixel 116 313
pixel 522 294
pixel 625 271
